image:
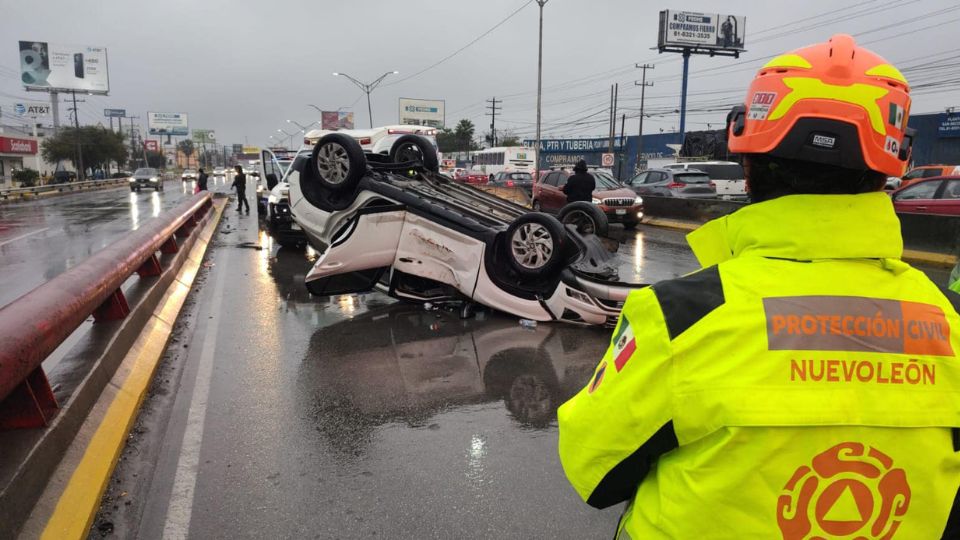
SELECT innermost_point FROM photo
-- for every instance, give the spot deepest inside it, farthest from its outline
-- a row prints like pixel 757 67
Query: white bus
pixel 504 159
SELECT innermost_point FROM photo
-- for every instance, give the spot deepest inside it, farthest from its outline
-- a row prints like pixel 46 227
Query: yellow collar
pixel 804 227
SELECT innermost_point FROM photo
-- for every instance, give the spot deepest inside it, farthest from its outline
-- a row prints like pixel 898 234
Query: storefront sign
pixel 12 145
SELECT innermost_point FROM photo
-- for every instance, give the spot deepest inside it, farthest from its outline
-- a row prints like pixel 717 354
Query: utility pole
pixel 76 124
pixel 494 109
pixel 623 121
pixel 643 94
pixel 540 3
pixel 614 96
pixel 133 143
pixel 55 105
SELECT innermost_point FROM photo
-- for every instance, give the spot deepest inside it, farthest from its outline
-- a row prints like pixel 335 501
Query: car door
pixel 917 197
pixel 947 199
pixel 657 184
pixel 637 183
pixel 549 192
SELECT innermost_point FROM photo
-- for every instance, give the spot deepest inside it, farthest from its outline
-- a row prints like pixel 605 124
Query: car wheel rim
pixel 333 163
pixel 409 152
pixel 532 245
pixel 582 221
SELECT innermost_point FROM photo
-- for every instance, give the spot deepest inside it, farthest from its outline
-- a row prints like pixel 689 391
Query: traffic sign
pixel 606 160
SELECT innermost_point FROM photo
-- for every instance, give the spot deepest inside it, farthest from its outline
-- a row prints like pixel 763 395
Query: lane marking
pixel 77 504
pixel 180 508
pixel 22 236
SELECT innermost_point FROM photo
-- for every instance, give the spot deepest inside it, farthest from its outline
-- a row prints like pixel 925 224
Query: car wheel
pixel 338 161
pixel 537 207
pixel 585 217
pixel 415 148
pixel 535 244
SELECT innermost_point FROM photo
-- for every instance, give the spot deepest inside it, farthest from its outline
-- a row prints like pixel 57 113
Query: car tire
pixel 415 148
pixel 535 244
pixel 587 218
pixel 338 162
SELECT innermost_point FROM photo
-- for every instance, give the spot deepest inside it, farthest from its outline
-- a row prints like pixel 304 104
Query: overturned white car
pixel 392 222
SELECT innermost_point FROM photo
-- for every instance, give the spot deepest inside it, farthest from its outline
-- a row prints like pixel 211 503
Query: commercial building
pixel 938 138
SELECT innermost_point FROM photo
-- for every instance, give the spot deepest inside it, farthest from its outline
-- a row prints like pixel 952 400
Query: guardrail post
pixel 30 405
pixel 150 267
pixel 170 246
pixel 113 308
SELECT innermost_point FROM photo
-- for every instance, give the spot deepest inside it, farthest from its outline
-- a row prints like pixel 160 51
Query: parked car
pixel 619 203
pixel 188 174
pixel 64 176
pixel 680 183
pixel 727 176
pixel 404 229
pixel 474 177
pixel 937 195
pixel 929 171
pixel 146 177
pixel 522 180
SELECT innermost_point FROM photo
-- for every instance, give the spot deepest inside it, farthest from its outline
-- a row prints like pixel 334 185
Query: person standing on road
pixel 240 183
pixel 805 382
pixel 580 185
pixel 202 181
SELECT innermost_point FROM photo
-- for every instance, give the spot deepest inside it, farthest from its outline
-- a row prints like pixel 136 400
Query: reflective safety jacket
pixel 804 384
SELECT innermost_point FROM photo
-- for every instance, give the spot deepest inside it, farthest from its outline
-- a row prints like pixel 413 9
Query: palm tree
pixel 186 147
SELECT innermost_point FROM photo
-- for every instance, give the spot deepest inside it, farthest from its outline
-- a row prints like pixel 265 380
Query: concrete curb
pixel 909 255
pixel 43 452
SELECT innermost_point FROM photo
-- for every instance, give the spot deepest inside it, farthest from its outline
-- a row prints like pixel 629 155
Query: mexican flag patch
pixel 624 344
pixel 895 117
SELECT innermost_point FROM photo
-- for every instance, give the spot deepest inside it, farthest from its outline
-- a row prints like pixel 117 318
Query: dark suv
pixel 619 203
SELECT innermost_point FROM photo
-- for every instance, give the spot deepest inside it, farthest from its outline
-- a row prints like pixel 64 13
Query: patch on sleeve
pixel 624 344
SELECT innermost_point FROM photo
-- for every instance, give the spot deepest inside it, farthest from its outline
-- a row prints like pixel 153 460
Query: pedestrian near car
pixel 580 185
pixel 240 184
pixel 788 389
pixel 202 180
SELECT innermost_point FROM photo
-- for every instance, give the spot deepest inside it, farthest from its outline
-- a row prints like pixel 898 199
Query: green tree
pixel 156 160
pixel 464 133
pixel 187 148
pixel 100 147
pixel 509 139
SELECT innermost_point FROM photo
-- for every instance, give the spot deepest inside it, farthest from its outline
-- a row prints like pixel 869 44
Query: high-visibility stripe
pixel 788 60
pixel 861 95
pixel 888 71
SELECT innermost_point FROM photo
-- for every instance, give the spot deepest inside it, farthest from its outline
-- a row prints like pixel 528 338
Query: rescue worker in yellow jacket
pixel 805 383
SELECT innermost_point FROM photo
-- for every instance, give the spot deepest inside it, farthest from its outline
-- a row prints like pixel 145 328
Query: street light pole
pixel 368 87
pixel 536 152
pixel 289 137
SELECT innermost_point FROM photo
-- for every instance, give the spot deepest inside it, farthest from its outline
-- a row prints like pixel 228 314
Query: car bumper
pixel 631 214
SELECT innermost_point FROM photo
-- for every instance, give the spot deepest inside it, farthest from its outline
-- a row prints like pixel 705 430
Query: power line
pixel 461 49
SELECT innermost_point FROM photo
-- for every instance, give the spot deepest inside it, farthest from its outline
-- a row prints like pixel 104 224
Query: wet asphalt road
pixel 41 239
pixel 356 416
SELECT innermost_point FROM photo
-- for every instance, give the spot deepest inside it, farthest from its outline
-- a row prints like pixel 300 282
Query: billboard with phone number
pixel 693 30
pixel 55 66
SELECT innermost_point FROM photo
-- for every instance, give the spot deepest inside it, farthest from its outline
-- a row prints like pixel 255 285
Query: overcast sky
pixel 243 68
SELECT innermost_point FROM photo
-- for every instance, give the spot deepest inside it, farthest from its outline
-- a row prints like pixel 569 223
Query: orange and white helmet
pixel 833 103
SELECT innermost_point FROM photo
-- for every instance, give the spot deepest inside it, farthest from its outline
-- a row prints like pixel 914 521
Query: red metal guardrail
pixel 34 325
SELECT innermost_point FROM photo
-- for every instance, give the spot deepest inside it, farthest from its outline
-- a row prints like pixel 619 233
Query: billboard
pixel 151 145
pixel 115 113
pixel 55 66
pixel 159 123
pixel 32 109
pixel 204 136
pixel 688 29
pixel 422 112
pixel 336 120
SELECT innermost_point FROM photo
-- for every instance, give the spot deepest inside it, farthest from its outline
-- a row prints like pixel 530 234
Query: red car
pixel 473 177
pixel 938 195
pixel 619 203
